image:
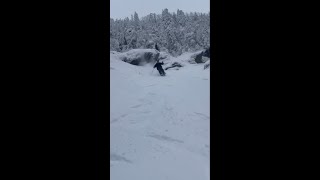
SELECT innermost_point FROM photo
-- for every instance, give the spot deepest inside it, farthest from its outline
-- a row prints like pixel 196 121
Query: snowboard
pixel 162 73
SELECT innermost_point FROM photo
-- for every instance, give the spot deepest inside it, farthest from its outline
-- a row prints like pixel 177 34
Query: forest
pixel 174 33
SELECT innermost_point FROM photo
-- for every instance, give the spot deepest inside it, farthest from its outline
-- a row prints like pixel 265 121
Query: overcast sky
pixel 119 9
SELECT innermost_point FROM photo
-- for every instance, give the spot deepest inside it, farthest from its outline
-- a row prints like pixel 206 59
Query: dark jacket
pixel 158 65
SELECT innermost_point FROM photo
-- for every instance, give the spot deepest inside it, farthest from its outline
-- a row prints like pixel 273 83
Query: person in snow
pixel 159 68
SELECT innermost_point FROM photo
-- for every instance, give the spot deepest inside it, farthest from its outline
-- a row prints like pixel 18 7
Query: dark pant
pixel 161 71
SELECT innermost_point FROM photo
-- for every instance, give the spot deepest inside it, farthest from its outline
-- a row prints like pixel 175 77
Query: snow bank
pixel 141 57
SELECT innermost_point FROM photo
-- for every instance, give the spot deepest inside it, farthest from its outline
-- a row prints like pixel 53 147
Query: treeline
pixel 174 33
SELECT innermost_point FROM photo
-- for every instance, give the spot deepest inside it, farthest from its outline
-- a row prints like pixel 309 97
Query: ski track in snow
pixel 159 125
pixel 116 157
pixel 165 138
pixel 203 115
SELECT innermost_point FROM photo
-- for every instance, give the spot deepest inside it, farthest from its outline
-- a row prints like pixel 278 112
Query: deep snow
pixel 159 125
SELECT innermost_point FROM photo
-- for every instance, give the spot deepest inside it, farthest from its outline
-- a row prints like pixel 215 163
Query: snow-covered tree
pixel 174 33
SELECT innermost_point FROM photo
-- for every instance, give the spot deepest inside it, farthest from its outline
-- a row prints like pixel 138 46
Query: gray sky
pixel 125 8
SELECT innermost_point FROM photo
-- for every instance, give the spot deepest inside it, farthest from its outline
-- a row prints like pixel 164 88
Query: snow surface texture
pixel 159 124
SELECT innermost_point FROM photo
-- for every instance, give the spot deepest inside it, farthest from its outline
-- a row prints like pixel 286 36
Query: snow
pixel 159 125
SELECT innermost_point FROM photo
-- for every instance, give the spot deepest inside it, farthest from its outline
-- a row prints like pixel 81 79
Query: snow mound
pixel 139 57
pixel 185 59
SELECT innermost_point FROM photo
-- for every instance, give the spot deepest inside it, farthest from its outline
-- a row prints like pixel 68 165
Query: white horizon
pixel 120 9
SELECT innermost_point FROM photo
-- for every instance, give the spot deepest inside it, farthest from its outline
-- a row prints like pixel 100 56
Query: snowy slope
pixel 159 125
